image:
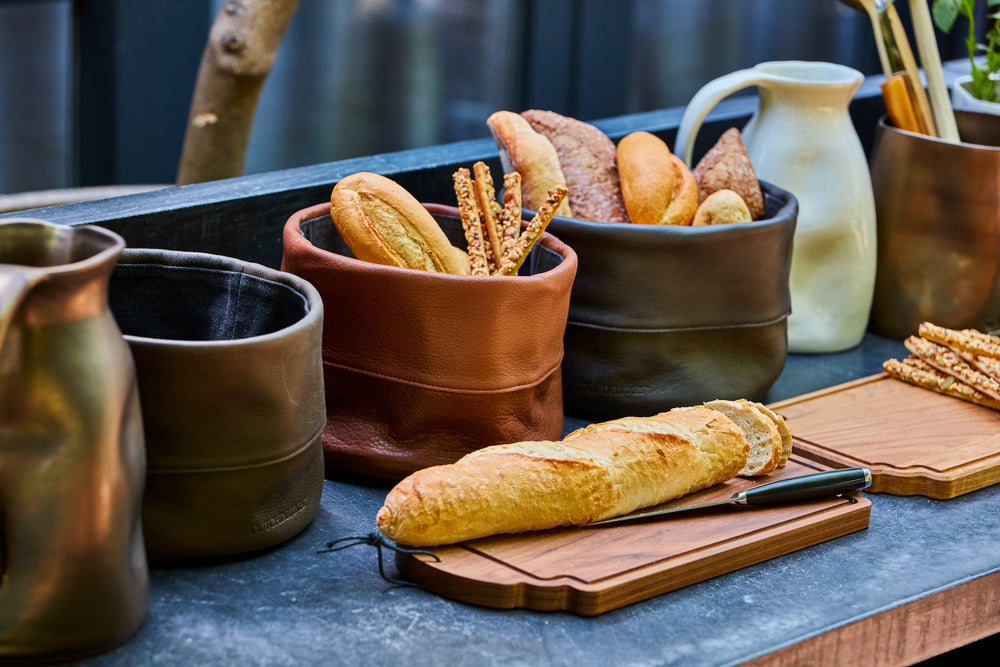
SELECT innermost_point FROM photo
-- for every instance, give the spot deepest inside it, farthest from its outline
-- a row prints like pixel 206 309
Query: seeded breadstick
pixel 918 373
pixel 986 365
pixel 489 211
pixel 511 216
pixel 949 363
pixel 967 340
pixel 470 222
pixel 515 257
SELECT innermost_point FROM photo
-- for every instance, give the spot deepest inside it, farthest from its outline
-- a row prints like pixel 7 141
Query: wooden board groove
pixel 589 571
pixel 915 441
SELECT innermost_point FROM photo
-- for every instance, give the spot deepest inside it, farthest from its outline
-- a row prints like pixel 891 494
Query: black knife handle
pixel 802 487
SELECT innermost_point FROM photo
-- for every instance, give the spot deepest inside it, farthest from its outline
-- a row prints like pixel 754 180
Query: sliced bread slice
pixel 783 430
pixel 761 433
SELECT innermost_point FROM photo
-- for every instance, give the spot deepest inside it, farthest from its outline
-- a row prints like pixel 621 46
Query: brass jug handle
pixel 15 282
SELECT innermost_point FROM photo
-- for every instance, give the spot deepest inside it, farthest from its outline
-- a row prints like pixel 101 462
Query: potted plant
pixel 980 90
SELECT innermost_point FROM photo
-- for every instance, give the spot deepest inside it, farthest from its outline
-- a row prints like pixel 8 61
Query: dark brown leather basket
pixel 227 356
pixel 664 316
pixel 422 368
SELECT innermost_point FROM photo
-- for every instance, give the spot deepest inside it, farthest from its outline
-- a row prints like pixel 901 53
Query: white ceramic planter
pixel 962 99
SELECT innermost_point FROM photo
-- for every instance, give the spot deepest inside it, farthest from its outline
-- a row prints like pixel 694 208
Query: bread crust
pixel 382 222
pixel 727 166
pixel 657 187
pixel 531 154
pixel 593 474
pixel 589 163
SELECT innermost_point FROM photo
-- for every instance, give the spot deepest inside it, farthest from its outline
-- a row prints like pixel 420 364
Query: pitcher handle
pixel 704 100
pixel 14 284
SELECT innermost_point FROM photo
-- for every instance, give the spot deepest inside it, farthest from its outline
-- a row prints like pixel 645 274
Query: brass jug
pixel 73 574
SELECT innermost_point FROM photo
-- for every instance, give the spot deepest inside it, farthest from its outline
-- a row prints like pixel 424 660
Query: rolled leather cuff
pixel 227 356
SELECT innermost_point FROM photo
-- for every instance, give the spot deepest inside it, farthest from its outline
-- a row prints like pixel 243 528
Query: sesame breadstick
pixel 515 257
pixel 511 216
pixel 489 213
pixel 947 361
pixel 913 370
pixel 966 340
pixel 469 212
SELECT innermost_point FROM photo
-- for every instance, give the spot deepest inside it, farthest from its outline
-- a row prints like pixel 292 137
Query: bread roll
pixel 722 207
pixel 532 155
pixel 761 434
pixel 595 473
pixel 589 163
pixel 381 222
pixel 657 186
pixel 727 166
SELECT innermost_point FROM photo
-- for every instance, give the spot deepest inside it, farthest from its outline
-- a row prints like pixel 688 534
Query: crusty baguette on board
pixel 532 155
pixel 381 222
pixel 593 475
pixel 589 163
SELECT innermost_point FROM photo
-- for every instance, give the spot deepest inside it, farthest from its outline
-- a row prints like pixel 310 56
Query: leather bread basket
pixel 664 316
pixel 227 357
pixel 422 368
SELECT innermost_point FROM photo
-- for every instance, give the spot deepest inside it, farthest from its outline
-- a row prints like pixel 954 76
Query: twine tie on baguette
pixel 378 541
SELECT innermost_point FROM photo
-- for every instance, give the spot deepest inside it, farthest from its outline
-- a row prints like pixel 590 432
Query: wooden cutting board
pixel 589 571
pixel 915 441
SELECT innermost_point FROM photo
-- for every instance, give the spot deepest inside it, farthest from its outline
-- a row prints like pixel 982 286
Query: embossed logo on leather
pixel 279 518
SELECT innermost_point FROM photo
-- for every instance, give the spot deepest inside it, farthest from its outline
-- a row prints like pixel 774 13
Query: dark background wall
pixel 96 92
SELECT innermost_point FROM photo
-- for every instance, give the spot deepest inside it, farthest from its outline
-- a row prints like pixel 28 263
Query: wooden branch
pixel 241 49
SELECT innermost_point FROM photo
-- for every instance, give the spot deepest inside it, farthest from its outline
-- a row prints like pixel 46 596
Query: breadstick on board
pixel 966 340
pixel 469 211
pixel 515 257
pixel 913 370
pixel 947 361
pixel 489 212
pixel 985 365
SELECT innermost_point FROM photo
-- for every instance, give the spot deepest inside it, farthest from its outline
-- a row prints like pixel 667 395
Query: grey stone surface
pixel 293 606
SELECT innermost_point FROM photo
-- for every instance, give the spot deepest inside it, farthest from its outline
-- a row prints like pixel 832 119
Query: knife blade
pixel 783 491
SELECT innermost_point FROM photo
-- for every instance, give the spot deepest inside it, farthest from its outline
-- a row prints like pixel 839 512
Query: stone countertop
pixel 292 606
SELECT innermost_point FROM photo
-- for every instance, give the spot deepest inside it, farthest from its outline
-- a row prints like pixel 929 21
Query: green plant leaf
pixel 945 13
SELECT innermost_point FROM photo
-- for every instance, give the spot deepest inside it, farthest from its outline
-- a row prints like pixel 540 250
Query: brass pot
pixel 938 210
pixel 73 573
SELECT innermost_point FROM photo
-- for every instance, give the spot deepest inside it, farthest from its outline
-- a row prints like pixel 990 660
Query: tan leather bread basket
pixel 421 368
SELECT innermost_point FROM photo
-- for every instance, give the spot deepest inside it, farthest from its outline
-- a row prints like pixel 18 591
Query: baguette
pixel 381 222
pixel 657 186
pixel 532 155
pixel 594 473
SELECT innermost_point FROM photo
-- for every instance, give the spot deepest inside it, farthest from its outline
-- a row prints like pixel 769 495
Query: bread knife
pixel 783 491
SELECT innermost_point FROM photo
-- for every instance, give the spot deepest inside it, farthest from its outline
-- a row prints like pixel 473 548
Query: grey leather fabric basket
pixel 664 316
pixel 228 362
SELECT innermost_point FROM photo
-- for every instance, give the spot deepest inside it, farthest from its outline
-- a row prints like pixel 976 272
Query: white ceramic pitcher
pixel 801 139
